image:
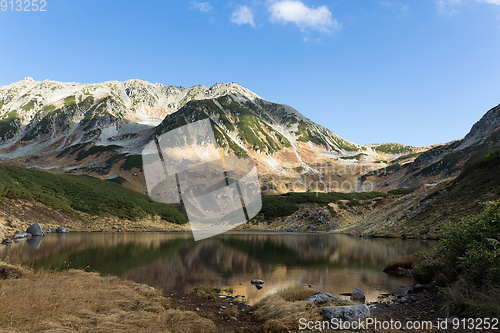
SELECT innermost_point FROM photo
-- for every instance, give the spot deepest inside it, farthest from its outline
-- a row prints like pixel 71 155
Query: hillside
pixel 78 202
pixel 424 212
pixel 441 161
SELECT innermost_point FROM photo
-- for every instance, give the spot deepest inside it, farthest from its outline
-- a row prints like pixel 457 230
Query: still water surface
pixel 176 263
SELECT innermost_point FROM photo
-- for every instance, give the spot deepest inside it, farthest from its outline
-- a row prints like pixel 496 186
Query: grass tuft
pixel 281 311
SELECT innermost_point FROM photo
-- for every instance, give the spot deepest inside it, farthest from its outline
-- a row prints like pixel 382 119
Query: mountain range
pixel 100 130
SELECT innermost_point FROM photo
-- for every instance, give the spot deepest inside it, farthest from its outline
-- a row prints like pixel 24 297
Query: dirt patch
pixel 227 312
pixel 7 272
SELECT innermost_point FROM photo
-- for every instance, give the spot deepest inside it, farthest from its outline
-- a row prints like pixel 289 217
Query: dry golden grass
pixel 338 303
pixel 281 311
pixel 467 300
pixel 75 300
pixel 203 293
pixel 403 262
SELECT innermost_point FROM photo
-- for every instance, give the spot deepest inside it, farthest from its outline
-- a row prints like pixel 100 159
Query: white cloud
pixel 495 2
pixel 399 6
pixel 296 12
pixel 201 6
pixel 243 15
pixel 449 6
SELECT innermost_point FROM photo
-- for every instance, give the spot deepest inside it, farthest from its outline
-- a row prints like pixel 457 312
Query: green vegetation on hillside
pixel 478 182
pixel 284 141
pixel 48 108
pixel 283 205
pixel 70 100
pixel 405 157
pixel 448 164
pixel 306 134
pixel 355 157
pixel 28 106
pixel 394 148
pixel 467 262
pixel 383 171
pixel 8 126
pixel 132 161
pixel 95 150
pixel 249 126
pixel 72 194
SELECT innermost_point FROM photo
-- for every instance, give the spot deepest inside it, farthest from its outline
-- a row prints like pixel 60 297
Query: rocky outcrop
pixel 487 124
pixel 345 313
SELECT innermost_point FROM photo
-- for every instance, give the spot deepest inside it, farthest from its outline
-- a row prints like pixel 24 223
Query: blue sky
pixel 416 72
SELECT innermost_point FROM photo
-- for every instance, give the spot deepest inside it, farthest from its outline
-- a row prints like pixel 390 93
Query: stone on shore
pixel 345 313
pixel 322 297
pixel 358 295
pixel 62 230
pixel 21 235
pixel 35 230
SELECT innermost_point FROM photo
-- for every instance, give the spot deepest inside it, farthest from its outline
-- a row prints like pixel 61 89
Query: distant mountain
pixel 442 161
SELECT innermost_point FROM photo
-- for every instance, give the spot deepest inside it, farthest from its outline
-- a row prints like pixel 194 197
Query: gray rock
pixel 358 295
pixel 62 230
pixel 345 313
pixel 322 297
pixel 21 235
pixel 35 230
pixel 256 281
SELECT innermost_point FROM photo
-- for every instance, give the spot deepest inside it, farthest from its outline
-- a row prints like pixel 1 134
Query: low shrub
pixel 468 256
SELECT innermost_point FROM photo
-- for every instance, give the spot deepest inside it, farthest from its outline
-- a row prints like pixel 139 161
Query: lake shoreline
pixel 225 313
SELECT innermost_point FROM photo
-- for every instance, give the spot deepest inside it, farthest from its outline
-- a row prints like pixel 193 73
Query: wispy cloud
pixel 397 6
pixel 243 15
pixel 495 2
pixel 450 6
pixel 201 6
pixel 447 6
pixel 293 11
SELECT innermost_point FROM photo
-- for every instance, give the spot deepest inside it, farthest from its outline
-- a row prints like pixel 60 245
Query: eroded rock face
pixel 35 230
pixel 345 313
pixel 489 122
pixel 322 297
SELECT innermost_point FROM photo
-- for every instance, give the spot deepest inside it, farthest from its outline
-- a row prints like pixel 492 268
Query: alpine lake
pixel 176 263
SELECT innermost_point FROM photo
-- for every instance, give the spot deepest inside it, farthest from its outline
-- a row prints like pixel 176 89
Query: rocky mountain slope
pixel 100 129
pixel 441 161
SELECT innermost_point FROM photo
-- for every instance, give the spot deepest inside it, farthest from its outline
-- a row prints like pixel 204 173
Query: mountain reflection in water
pixel 176 263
